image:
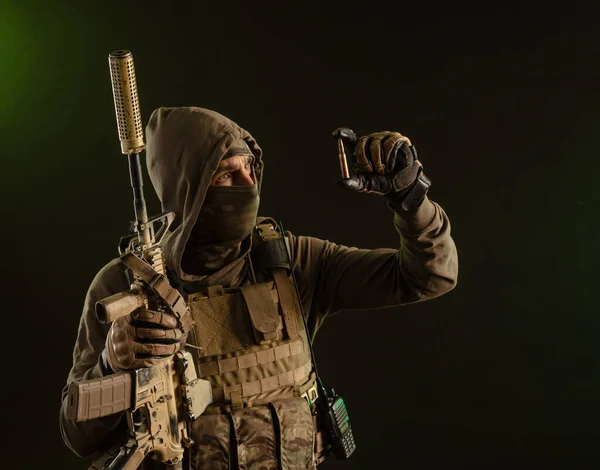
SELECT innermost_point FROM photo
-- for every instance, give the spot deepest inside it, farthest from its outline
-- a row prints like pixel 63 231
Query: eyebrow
pixel 223 168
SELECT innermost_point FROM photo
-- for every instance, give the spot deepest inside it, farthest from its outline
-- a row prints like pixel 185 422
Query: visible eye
pixel 224 177
pixel 247 166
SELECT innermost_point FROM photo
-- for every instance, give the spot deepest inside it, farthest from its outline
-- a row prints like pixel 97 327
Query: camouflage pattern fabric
pixel 255 438
pixel 297 434
pixel 211 448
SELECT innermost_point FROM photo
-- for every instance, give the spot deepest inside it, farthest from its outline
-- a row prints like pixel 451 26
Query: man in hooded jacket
pixel 208 171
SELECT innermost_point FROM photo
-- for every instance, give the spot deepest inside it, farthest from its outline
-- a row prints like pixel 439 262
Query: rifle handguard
pixel 119 305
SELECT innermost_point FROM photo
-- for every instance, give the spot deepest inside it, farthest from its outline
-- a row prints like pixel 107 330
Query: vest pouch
pixel 263 312
pixel 213 449
pixel 296 433
pixel 277 435
pixel 283 428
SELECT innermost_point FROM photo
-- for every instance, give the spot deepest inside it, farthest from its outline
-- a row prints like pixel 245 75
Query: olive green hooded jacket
pixel 184 148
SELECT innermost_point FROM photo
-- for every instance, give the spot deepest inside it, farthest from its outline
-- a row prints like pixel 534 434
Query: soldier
pixel 249 339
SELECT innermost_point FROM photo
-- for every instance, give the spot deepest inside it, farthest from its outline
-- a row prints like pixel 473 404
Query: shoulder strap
pixel 268 248
pixel 286 300
pixel 270 261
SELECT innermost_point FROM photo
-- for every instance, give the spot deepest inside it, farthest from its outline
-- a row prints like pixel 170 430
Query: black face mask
pixel 227 217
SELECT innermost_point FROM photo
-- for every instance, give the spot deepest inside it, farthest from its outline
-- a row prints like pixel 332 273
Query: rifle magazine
pixel 95 398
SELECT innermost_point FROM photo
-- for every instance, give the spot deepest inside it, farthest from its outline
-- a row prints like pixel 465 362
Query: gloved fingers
pixel 158 335
pixel 378 184
pixel 363 163
pixel 375 155
pixel 391 146
pixel 368 183
pixel 369 153
pixel 126 346
pixel 348 137
pixel 121 331
pixel 345 133
pixel 118 344
pixel 355 183
pixel 154 350
pixel 153 319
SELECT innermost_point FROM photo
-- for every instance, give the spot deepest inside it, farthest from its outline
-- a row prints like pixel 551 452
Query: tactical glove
pixel 141 339
pixel 386 163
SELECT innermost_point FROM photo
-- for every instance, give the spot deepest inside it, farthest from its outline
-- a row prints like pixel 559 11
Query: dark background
pixel 504 107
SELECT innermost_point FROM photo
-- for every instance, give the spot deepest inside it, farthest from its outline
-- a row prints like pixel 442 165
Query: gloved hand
pixel 141 339
pixel 386 163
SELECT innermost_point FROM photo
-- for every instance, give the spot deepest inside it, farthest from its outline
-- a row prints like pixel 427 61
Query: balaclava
pixel 184 148
pixel 226 219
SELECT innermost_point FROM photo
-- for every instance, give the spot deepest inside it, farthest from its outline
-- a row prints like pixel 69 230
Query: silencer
pixel 127 106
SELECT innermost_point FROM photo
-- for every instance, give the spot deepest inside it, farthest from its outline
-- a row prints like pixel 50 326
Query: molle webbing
pixel 264 356
pixel 246 389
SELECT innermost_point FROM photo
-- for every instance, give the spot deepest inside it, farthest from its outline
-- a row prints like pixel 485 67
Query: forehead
pixel 235 159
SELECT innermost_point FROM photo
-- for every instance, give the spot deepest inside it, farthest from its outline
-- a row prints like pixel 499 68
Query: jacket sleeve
pixel 87 437
pixel 333 277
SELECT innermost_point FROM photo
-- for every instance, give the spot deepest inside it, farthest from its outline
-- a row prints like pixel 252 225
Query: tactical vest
pixel 252 345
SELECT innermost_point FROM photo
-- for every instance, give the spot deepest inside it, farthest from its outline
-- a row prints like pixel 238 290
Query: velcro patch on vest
pixel 222 324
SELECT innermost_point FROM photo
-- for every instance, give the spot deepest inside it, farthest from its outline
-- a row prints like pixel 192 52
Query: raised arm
pixel 333 277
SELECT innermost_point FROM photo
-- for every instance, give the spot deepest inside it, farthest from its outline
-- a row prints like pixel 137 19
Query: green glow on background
pixel 21 54
pixel 40 48
pixel 507 366
pixel 18 52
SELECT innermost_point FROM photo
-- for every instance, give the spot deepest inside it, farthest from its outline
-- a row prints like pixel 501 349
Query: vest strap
pixel 286 300
pixel 268 254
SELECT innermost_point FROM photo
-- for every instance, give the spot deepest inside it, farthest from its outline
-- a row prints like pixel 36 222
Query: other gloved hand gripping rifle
pixel 161 401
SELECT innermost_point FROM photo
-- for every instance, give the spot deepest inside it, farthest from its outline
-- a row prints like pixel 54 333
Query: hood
pixel 183 150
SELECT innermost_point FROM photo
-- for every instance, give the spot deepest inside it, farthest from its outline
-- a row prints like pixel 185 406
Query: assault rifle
pixel 161 401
